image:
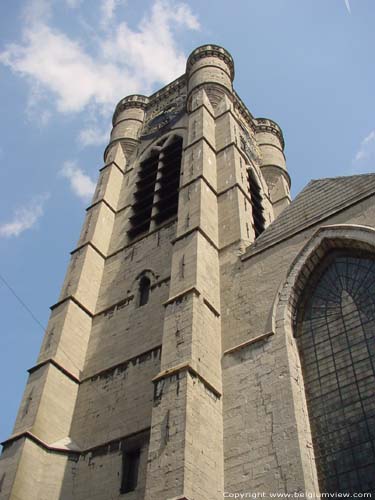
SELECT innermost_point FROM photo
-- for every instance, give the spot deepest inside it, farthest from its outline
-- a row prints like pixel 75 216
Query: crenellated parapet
pixel 210 66
pixel 267 126
pixel 127 123
pixel 129 102
pixel 211 51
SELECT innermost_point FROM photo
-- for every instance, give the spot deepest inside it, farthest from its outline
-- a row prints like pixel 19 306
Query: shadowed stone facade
pixel 184 358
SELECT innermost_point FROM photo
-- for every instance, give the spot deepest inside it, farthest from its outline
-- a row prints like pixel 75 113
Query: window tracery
pixel 336 340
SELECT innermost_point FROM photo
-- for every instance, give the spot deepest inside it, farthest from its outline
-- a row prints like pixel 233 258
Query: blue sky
pixel 64 64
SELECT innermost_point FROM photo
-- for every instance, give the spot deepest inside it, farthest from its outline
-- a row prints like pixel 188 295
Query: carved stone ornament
pixel 249 146
pixel 165 118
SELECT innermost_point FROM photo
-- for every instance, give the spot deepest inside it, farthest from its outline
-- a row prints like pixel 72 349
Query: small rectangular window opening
pixel 130 467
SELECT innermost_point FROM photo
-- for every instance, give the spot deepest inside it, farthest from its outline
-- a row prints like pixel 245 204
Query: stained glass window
pixel 336 340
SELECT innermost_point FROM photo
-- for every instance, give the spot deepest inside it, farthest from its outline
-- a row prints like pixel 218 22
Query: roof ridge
pixel 340 177
pixel 318 199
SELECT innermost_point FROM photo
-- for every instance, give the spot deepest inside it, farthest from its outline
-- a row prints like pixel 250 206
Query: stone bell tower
pixel 126 397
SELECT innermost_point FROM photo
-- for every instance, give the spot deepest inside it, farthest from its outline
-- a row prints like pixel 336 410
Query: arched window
pixel 166 199
pixel 336 340
pixel 144 291
pixel 156 193
pixel 144 195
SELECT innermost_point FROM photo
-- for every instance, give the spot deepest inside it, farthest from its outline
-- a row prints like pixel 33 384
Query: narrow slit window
pixel 256 203
pixel 130 469
pixel 144 291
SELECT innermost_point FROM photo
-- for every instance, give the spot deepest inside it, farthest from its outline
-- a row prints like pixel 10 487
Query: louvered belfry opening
pixel 168 182
pixel 144 196
pixel 157 187
pixel 256 203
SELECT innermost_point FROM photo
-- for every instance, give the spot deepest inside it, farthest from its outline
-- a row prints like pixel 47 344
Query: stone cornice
pixel 88 244
pixel 39 442
pixel 196 141
pixel 65 450
pixel 199 177
pixel 129 205
pixel 271 145
pixel 169 222
pixel 57 365
pixel 101 200
pixel 208 66
pixel 130 119
pixel 111 369
pixel 75 301
pixel 110 164
pixel 283 172
pixel 186 367
pixel 241 346
pixel 233 186
pixel 100 373
pixel 191 230
pixel 192 290
pixel 180 295
pixel 118 139
pixel 129 298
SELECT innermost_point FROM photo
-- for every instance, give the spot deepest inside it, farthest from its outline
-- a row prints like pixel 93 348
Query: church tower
pixel 162 375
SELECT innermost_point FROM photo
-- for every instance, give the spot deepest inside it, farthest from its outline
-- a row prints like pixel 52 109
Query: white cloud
pixel 37 107
pixel 367 148
pixel 37 11
pixel 60 65
pixel 364 160
pixel 93 136
pixel 81 184
pixel 99 70
pixel 347 3
pixel 24 218
pixel 108 8
pixel 151 51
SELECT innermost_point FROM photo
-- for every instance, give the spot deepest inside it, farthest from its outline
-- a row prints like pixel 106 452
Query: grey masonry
pixel 196 351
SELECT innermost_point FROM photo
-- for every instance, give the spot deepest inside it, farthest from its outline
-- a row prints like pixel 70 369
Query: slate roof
pixel 318 200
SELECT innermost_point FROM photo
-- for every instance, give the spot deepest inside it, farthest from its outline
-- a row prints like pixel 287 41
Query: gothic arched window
pixel 336 341
pixel 156 194
pixel 166 199
pixel 144 291
pixel 144 195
